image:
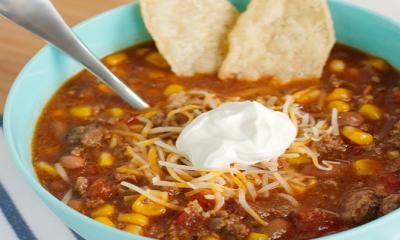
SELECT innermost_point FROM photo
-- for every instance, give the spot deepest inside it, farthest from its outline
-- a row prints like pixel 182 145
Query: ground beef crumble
pixel 330 143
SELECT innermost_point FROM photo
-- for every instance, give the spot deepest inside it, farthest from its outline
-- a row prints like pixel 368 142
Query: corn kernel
pixel 52 150
pixel 149 114
pixel 105 220
pixel 47 168
pixel 376 79
pixel 307 95
pixel 81 112
pixel 371 112
pixel 339 105
pixel 156 59
pixel 299 189
pixel 357 136
pixel 257 236
pixel 58 113
pixel 173 88
pixel 377 63
pixel 113 141
pixel 302 159
pixel 106 159
pixel 125 169
pixel 153 161
pixel 353 71
pixel 119 71
pixel 367 167
pixel 134 229
pixel 145 206
pixel 211 237
pixel 131 198
pixel 393 154
pixel 141 51
pixel 341 94
pixel 117 112
pixel 337 65
pixel 116 59
pixel 107 210
pixel 155 75
pixel 134 218
pixel 104 88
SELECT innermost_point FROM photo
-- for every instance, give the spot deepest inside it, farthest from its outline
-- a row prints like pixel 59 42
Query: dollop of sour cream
pixel 236 132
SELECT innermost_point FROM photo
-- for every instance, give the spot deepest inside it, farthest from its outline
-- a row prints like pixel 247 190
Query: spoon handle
pixel 41 18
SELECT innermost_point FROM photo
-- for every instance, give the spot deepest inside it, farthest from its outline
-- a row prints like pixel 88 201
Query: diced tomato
pixel 89 170
pixel 282 163
pixel 206 204
pixel 130 119
pixel 101 188
pixel 182 218
pixel 315 220
pixel 396 96
pixel 186 219
pixel 391 182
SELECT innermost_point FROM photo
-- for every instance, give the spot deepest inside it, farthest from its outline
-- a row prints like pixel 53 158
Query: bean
pixel 353 119
pixel 72 162
pixel 277 228
pixel 76 204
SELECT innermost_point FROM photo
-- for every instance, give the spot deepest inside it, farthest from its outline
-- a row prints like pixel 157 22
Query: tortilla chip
pixel 190 34
pixel 285 39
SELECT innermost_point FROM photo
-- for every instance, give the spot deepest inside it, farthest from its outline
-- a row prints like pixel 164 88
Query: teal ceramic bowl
pixel 123 27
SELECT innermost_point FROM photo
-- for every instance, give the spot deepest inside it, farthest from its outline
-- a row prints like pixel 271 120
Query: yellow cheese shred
pixel 151 196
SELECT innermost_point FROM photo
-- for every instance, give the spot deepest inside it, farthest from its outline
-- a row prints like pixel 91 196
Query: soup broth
pixel 344 172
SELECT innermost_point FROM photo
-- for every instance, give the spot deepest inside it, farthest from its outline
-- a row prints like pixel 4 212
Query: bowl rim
pixel 44 194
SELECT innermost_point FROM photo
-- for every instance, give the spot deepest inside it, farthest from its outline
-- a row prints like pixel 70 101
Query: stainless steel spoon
pixel 41 18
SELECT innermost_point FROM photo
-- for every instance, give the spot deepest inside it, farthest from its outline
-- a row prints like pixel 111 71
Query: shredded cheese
pixel 242 201
pixel 135 156
pixel 182 109
pixel 289 198
pixel 191 168
pixel 165 129
pixel 168 147
pixel 154 155
pixel 67 197
pixel 268 187
pixel 151 196
pixel 283 182
pixel 206 177
pixel 314 157
pixel 289 101
pixel 220 201
pixel 334 122
pixel 61 171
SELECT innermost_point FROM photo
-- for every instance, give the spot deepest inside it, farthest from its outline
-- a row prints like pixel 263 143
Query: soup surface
pixel 342 170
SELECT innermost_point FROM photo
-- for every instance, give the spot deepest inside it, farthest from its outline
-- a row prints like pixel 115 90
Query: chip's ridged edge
pixel 196 40
pixel 254 53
